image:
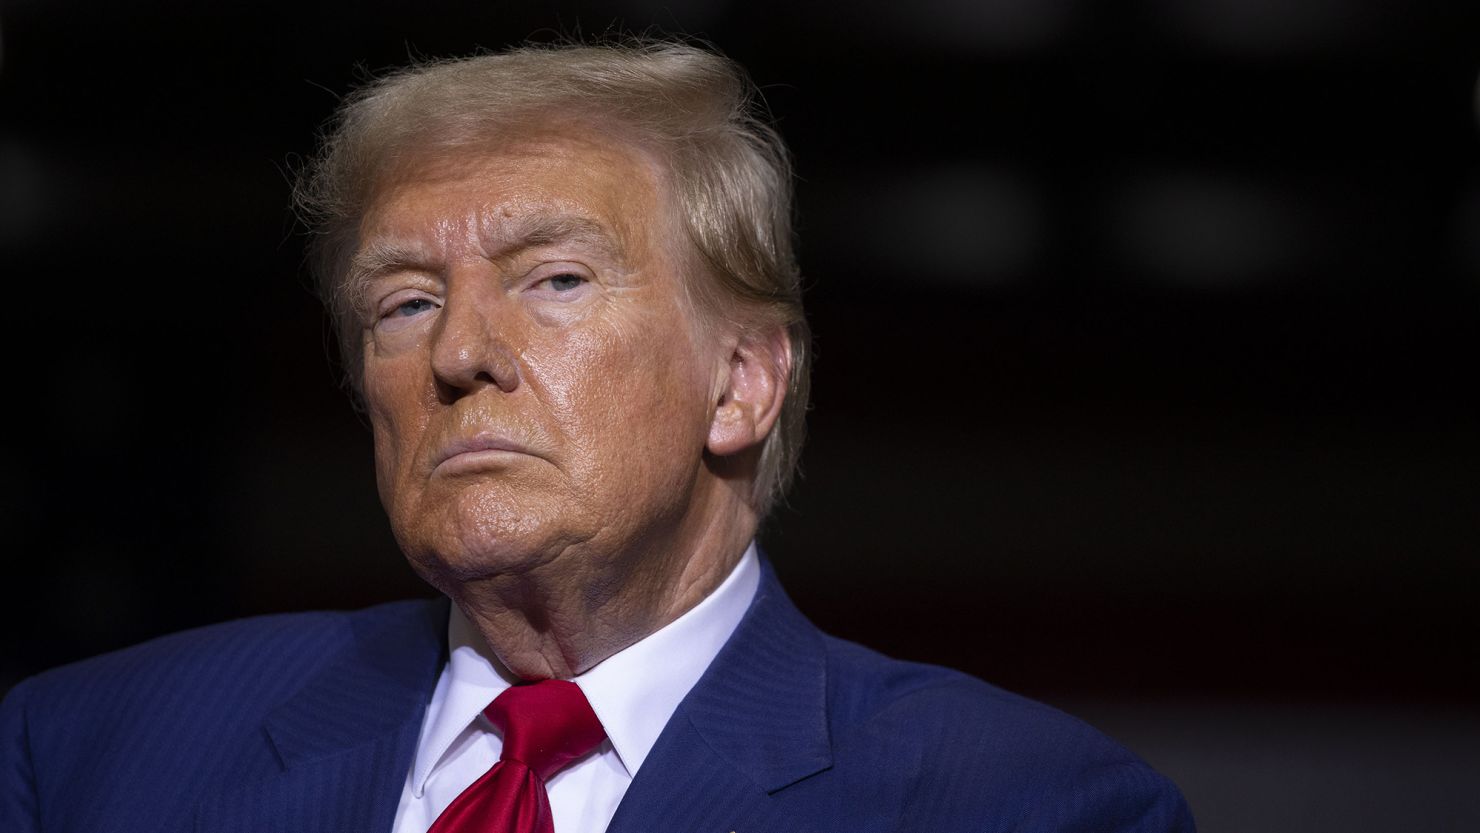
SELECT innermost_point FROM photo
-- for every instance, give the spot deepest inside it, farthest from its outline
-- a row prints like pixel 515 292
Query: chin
pixel 477 536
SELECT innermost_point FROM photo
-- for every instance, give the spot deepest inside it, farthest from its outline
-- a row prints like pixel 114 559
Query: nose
pixel 471 350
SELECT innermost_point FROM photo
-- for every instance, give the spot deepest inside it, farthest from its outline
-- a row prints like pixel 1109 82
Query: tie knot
pixel 546 725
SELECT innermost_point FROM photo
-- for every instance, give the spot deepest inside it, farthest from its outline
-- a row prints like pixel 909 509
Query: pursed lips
pixel 477 450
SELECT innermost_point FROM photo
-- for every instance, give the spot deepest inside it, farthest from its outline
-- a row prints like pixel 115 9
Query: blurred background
pixel 1147 337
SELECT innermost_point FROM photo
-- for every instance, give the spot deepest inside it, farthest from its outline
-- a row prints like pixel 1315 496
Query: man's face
pixel 539 389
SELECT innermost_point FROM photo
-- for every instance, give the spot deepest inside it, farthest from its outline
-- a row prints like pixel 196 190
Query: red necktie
pixel 546 725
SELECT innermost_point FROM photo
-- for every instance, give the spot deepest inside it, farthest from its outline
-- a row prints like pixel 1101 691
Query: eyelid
pixel 376 288
pixel 392 301
pixel 538 277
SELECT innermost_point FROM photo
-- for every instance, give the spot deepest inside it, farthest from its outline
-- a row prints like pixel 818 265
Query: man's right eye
pixel 403 309
pixel 406 309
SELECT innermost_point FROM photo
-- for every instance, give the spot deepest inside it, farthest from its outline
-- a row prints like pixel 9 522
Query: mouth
pixel 481 451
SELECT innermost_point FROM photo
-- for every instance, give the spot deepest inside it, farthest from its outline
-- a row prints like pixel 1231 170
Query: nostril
pixel 448 393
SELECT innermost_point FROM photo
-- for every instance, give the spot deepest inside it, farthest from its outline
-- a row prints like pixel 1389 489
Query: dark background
pixel 1147 340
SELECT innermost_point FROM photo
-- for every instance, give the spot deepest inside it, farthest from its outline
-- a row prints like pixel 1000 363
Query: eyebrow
pixel 503 239
pixel 545 230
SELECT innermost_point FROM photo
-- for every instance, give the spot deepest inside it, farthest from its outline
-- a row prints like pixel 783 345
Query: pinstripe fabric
pixel 792 730
pixel 308 722
pixel 301 722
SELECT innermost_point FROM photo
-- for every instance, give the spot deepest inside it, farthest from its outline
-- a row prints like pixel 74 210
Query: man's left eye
pixel 564 282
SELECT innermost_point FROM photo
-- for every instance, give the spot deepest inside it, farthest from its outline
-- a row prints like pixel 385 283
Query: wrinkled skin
pixel 548 409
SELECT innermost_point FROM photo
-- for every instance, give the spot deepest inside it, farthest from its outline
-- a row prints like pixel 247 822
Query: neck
pixel 573 611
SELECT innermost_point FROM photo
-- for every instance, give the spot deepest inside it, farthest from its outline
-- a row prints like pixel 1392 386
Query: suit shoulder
pixel 230 662
pixel 975 749
pixel 149 730
pixel 870 688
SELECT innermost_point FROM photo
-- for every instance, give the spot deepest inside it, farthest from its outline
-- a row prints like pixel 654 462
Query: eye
pixel 564 282
pixel 404 308
pixel 411 307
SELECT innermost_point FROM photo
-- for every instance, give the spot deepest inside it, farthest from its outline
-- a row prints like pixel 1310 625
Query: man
pixel 565 292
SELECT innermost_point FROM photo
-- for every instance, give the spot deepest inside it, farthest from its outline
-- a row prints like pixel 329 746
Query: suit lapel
pixel 344 743
pixel 339 751
pixel 755 723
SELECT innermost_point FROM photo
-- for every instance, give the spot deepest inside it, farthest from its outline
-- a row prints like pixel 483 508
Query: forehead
pixel 567 185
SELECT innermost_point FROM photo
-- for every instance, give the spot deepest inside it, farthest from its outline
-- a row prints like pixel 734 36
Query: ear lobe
pixel 750 400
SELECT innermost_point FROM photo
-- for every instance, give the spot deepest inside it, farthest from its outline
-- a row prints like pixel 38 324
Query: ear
pixel 751 392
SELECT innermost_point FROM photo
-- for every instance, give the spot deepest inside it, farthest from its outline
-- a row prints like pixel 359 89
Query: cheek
pixel 621 372
pixel 581 385
pixel 635 398
pixel 396 420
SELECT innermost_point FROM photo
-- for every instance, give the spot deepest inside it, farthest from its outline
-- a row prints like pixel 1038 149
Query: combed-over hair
pixel 696 111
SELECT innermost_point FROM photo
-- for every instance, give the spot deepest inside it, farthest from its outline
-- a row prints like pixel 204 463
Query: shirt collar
pixel 636 690
pixel 633 692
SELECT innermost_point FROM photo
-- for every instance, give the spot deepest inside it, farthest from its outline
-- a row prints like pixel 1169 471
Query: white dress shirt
pixel 633 692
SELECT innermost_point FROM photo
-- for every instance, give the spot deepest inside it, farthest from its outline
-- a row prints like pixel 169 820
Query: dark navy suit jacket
pixel 308 722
